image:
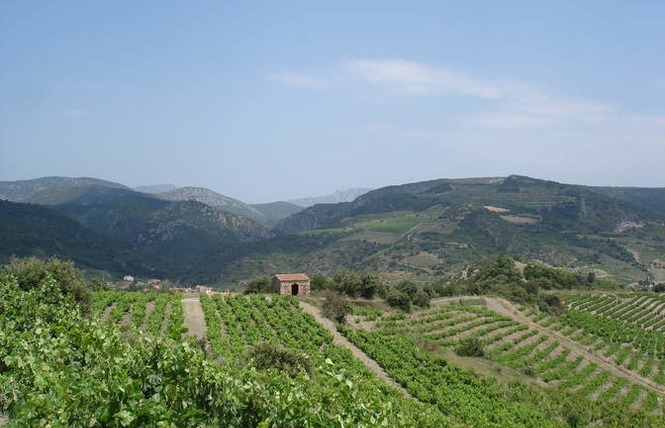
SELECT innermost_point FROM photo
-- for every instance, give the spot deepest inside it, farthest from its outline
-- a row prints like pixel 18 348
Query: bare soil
pixel 194 318
pixel 167 316
pixel 149 308
pixel 106 313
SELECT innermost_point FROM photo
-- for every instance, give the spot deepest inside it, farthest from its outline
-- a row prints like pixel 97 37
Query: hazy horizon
pixel 266 101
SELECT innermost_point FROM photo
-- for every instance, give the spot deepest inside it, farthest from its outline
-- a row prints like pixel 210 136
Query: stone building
pixel 293 284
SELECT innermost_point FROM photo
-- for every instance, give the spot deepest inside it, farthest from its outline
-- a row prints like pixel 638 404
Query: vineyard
pixel 618 381
pixel 155 313
pixel 130 361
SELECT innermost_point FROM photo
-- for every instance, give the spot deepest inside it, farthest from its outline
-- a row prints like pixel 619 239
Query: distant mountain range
pixel 417 230
pixel 333 198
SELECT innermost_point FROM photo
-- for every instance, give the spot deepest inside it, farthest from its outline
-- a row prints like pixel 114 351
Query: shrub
pixel 258 284
pixel 267 355
pixel 422 299
pixel 336 308
pixel 32 272
pixel 399 300
pixel 470 347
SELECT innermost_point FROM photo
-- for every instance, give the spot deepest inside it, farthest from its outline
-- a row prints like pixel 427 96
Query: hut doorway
pixel 294 289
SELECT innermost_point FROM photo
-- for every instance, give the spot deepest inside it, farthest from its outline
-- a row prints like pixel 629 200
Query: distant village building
pixel 128 278
pixel 293 284
pixel 203 289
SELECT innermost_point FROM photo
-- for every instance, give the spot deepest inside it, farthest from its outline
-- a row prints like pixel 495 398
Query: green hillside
pixel 51 190
pixel 429 228
pixel 417 230
pixel 176 237
pixel 274 212
pixel 32 230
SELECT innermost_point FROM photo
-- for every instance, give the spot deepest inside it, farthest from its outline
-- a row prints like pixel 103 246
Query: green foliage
pixel 421 298
pixel 336 308
pixel 659 288
pixel 551 278
pixel 320 282
pixel 60 369
pixel 470 347
pixel 399 300
pixel 258 284
pixel 349 283
pixel 268 355
pixel 552 304
pixel 32 272
pixel 370 284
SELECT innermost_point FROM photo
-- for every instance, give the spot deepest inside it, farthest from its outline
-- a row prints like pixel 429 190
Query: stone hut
pixel 292 284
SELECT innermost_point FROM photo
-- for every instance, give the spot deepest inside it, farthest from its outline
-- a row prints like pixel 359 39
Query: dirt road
pixel 194 318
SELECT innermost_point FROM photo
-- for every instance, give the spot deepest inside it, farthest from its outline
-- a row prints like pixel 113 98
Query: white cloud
pixel 511 104
pixel 414 78
pixel 506 104
pixel 299 80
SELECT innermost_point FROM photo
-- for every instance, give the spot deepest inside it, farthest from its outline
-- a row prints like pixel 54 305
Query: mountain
pixel 213 199
pixel 175 237
pixel 33 230
pixel 274 212
pixel 156 188
pixel 416 230
pixel 51 190
pixel 432 227
pixel 333 198
pixel 652 199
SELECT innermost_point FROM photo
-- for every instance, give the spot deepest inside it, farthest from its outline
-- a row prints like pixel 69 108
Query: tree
pixel 421 298
pixel 258 284
pixel 320 282
pixel 348 283
pixel 399 300
pixel 336 308
pixel 370 284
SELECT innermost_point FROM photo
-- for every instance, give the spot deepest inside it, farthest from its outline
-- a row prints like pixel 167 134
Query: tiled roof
pixel 292 277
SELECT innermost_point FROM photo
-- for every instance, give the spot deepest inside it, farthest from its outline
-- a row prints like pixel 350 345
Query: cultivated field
pixel 601 362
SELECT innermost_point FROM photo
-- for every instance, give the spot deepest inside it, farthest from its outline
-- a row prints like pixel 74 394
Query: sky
pixel 273 100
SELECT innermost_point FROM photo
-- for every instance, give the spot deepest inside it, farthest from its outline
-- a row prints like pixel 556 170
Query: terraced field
pixel 613 360
pixel 603 359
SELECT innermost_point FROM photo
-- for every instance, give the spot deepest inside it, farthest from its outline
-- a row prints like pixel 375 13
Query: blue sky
pixel 277 99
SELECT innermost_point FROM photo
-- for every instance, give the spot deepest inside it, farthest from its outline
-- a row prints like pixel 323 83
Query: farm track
pixel 194 318
pixel 149 308
pixel 505 307
pixel 357 352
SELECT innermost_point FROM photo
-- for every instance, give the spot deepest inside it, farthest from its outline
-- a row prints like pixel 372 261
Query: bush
pixel 422 299
pixel 399 300
pixel 32 272
pixel 336 308
pixel 258 284
pixel 470 347
pixel 320 282
pixel 267 355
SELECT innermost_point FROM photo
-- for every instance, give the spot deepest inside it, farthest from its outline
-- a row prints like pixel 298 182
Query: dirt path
pixel 505 307
pixel 194 318
pixel 357 352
